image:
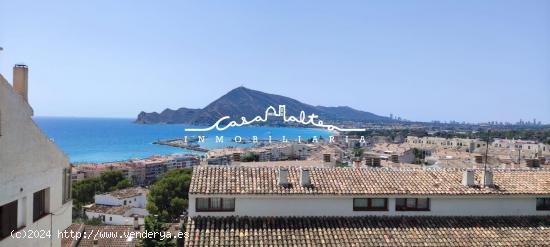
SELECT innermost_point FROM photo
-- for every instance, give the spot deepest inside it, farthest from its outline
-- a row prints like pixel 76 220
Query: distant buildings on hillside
pixel 139 171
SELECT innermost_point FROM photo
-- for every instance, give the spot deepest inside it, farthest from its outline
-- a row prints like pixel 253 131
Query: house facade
pixel 120 207
pixel 290 206
pixel 366 191
pixel 34 173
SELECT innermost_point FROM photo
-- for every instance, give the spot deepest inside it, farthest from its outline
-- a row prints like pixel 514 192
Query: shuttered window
pixel 39 205
pixel 370 204
pixel 8 219
pixel 215 204
pixel 412 204
pixel 66 185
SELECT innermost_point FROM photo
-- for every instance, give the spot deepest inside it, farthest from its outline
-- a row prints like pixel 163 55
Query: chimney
pixel 487 178
pixel 357 163
pixel 136 223
pixel 283 176
pixel 468 178
pixel 96 241
pixel 305 178
pixel 21 80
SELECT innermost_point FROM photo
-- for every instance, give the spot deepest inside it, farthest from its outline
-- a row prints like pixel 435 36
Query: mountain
pixel 244 102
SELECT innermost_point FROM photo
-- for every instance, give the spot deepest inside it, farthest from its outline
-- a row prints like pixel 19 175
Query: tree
pixel 340 164
pixel 168 197
pixel 250 157
pixel 153 225
pixel 357 151
pixel 84 191
pixel 113 180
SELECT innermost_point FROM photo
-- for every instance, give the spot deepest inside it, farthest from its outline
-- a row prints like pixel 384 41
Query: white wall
pixel 343 206
pixel 136 201
pixel 29 162
pixel 115 219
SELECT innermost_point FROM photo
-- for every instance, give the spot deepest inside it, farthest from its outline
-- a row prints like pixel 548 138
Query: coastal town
pixel 243 195
pixel 274 123
pixel 412 152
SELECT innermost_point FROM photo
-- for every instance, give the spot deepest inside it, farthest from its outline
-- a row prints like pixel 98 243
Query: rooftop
pixel 297 163
pixel 368 231
pixel 106 209
pixel 127 193
pixel 352 181
pixel 108 231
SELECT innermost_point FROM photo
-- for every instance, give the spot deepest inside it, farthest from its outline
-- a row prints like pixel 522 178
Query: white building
pixel 121 207
pixel 463 144
pixel 261 192
pixel 241 206
pixel 34 173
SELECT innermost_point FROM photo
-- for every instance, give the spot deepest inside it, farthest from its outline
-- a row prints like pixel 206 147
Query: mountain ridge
pixel 245 102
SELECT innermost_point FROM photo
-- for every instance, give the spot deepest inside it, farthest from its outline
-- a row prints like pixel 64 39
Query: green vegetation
pixel 540 134
pixel 168 197
pixel 93 221
pixel 153 225
pixel 113 180
pixel 83 191
pixel 419 155
pixel 251 157
pixel 358 152
pixel 340 164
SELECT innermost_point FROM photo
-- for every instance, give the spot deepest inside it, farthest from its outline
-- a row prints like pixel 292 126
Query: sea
pixel 96 140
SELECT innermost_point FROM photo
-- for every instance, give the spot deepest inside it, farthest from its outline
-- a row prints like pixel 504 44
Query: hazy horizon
pixel 424 60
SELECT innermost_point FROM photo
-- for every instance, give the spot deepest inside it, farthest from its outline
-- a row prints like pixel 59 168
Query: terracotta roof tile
pixel 368 231
pixel 349 181
pixel 128 192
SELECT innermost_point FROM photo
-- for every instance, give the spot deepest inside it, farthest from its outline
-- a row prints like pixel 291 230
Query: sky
pixel 472 61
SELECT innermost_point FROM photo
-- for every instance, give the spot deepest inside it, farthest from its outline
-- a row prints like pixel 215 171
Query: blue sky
pixel 423 60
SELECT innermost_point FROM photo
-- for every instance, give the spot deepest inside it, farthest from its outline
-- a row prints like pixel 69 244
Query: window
pixel 110 218
pixel 215 204
pixel 66 185
pixel 124 202
pixel 543 203
pixel 8 219
pixel 39 205
pixel 370 204
pixel 412 204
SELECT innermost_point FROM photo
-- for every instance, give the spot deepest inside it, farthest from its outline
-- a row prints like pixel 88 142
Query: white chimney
pixel 305 178
pixel 136 223
pixel 21 80
pixel 283 176
pixel 468 178
pixel 487 178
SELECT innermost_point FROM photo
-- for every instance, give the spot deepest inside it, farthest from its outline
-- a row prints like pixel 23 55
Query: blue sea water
pixel 105 139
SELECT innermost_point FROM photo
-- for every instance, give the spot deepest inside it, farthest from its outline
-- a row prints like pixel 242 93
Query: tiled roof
pixel 107 209
pixel 369 231
pixel 128 192
pixel 107 235
pixel 352 181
